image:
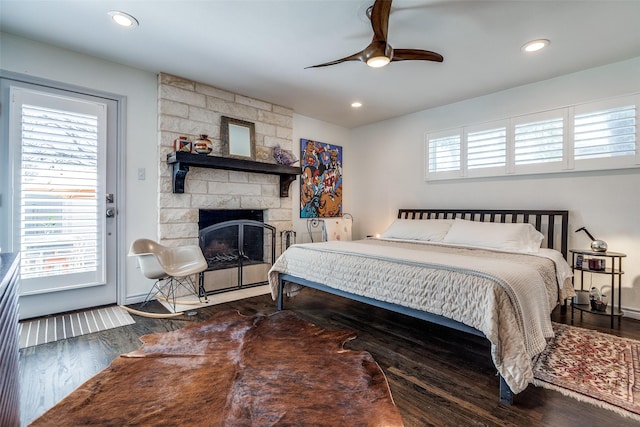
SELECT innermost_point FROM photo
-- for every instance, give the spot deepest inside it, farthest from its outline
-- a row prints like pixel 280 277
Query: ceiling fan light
pixel 378 61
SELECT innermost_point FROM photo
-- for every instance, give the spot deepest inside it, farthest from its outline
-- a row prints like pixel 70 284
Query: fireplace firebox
pixel 244 246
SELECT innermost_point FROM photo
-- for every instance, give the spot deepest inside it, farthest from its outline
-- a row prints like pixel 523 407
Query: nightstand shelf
pixel 587 308
pixel 614 260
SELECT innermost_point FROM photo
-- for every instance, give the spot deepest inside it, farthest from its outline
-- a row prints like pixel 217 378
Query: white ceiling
pixel 260 48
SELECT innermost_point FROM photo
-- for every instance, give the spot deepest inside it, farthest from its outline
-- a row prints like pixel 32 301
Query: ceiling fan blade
pixel 355 57
pixel 374 54
pixel 416 55
pixel 380 19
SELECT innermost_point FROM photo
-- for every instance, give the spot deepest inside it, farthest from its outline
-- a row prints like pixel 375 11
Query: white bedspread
pixel 508 297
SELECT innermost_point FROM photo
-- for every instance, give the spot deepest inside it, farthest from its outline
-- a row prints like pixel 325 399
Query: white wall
pixel 316 130
pixel 43 61
pixel 386 167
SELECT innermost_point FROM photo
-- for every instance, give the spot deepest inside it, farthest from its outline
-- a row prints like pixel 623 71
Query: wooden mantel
pixel 182 160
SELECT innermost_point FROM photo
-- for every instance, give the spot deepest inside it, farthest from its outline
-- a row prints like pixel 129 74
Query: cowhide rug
pixel 234 370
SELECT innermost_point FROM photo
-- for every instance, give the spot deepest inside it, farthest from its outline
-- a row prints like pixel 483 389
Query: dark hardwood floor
pixel 437 376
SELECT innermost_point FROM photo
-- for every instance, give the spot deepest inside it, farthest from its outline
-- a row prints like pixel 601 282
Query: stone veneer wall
pixel 188 108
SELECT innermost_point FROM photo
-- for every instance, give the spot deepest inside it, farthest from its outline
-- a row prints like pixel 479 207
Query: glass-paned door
pixel 59 152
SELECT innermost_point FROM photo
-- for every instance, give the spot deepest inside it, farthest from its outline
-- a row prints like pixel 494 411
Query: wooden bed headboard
pixel 552 224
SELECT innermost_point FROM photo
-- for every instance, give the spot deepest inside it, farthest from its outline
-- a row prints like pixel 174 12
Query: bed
pixel 492 273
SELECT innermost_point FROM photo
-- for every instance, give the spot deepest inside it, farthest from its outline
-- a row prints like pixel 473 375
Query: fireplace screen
pixel 238 244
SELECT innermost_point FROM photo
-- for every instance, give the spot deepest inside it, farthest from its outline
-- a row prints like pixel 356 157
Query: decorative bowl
pixel 598 305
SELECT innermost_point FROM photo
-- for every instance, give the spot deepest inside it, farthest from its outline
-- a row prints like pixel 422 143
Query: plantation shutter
pixel 60 216
pixel 605 133
pixel 486 147
pixel 444 154
pixel 599 135
pixel 539 141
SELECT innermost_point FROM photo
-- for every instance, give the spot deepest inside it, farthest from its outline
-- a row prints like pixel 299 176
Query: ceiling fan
pixel 379 53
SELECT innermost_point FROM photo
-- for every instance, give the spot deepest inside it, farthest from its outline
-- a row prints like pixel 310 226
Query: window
pixel 539 142
pixel 443 154
pixel 594 136
pixel 486 148
pixel 59 213
pixel 607 134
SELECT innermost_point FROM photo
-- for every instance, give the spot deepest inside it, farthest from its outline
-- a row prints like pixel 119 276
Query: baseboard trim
pixel 631 313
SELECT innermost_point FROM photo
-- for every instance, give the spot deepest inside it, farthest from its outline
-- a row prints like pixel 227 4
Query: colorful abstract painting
pixel 321 181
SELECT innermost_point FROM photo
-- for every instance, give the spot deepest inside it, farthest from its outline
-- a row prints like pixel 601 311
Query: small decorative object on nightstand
pixel 592 262
pixel 597 245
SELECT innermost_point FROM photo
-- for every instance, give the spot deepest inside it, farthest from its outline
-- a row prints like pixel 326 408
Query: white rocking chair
pixel 172 268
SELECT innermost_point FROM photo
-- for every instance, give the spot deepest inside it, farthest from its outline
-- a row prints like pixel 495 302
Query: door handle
pixel 111 212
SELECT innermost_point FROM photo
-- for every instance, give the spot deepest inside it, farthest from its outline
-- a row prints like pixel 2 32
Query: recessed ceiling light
pixel 123 19
pixel 356 104
pixel 535 45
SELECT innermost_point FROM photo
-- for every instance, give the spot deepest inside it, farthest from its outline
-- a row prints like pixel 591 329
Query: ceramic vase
pixel 182 144
pixel 202 145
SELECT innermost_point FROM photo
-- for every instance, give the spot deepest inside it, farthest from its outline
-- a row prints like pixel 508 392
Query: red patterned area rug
pixel 594 367
pixel 235 370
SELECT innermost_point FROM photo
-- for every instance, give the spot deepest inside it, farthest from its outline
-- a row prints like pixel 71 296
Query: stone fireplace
pixel 188 108
pixel 239 241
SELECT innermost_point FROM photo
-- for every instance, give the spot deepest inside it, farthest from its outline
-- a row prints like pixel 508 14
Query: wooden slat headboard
pixel 552 224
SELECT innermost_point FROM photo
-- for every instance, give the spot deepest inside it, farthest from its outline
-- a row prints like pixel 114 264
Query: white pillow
pixel 520 237
pixel 432 230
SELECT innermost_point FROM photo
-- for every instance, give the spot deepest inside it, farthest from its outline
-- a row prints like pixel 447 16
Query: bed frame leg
pixel 280 293
pixel 506 395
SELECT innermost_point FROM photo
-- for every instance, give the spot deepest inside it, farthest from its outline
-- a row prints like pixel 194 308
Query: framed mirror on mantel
pixel 238 138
